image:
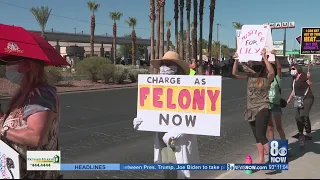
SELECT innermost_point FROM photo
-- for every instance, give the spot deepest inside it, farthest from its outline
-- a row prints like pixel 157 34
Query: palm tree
pixel 168 24
pixel 188 9
pixel 161 45
pixel 115 16
pixel 181 30
pixel 42 15
pixel 152 19
pixel 132 22
pixel 201 6
pixel 237 26
pixel 195 26
pixel 158 28
pixel 192 39
pixel 176 26
pixel 212 7
pixel 93 6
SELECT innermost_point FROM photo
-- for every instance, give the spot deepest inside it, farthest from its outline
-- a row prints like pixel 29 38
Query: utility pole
pixel 284 41
pixel 218 39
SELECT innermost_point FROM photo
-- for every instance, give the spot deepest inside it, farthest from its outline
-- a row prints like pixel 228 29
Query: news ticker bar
pixel 157 167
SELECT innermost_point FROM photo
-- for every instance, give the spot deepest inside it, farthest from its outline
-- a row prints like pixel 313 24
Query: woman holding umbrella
pixel 32 120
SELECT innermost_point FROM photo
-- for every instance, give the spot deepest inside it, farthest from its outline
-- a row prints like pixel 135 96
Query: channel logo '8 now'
pixel 278 151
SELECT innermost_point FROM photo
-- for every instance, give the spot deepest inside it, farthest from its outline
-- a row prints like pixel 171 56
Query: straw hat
pixel 173 57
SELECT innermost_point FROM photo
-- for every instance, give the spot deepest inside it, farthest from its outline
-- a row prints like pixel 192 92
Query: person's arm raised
pixel 235 72
pixel 268 65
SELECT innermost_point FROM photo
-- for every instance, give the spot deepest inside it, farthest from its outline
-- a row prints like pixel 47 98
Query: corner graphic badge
pixel 12 47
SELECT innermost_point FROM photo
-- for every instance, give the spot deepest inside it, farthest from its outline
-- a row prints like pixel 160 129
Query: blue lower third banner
pixel 159 167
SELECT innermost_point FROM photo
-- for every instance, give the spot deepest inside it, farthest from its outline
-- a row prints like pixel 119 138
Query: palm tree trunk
pixel 114 42
pixel 152 34
pixel 93 24
pixel 200 49
pixel 176 27
pixel 181 30
pixel 158 29
pixel 161 45
pixel 212 7
pixel 168 39
pixel 195 26
pixel 42 32
pixel 152 46
pixel 192 42
pixel 188 33
pixel 133 35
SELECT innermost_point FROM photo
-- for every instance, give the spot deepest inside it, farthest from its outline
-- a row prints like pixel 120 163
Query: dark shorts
pixel 276 109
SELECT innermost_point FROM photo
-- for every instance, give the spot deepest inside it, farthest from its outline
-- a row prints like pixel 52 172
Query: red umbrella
pixel 16 43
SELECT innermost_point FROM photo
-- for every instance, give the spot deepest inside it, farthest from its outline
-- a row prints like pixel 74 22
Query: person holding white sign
pixel 258 111
pixel 173 147
pixel 32 120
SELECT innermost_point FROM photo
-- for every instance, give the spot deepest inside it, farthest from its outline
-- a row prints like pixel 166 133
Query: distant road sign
pixel 292 52
pixel 292 24
pixel 298 39
pixel 281 25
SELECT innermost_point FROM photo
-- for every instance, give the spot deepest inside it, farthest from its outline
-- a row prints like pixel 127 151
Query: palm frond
pixel 42 15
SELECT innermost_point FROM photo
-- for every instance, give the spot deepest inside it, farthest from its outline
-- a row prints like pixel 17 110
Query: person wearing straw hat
pixel 173 147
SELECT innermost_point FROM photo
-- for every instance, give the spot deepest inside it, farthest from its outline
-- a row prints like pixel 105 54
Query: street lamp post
pixel 75 30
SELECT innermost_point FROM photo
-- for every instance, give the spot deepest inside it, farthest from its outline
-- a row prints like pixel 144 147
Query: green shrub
pixel 54 74
pixel 91 67
pixel 134 72
pixel 2 71
pixel 120 74
pixel 107 71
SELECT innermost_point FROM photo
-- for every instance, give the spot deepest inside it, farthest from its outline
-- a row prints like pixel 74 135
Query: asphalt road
pixel 96 127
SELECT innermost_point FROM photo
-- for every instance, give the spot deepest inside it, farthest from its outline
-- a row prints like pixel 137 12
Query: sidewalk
pixel 302 164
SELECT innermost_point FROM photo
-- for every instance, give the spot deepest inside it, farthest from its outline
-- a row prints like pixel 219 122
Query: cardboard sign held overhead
pixel 253 39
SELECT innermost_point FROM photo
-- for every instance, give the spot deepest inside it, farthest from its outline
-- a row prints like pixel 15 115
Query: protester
pixel 275 101
pixel 303 97
pixel 32 120
pixel 193 67
pixel 173 147
pixel 258 106
pixel 274 98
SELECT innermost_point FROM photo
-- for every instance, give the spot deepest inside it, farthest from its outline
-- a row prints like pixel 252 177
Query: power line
pixel 74 19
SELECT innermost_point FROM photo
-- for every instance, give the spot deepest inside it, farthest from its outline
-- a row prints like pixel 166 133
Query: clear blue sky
pixel 227 11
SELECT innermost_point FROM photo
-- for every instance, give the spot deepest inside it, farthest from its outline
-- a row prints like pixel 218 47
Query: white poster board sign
pixel 179 103
pixel 9 162
pixel 253 38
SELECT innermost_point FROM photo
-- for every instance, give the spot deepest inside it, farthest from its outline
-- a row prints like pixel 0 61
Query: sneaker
pixel 296 136
pixel 308 138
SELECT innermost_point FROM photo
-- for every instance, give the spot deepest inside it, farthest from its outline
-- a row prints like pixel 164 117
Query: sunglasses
pixel 293 68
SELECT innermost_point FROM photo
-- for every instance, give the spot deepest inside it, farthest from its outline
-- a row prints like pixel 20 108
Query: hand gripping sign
pixel 179 103
pixel 253 38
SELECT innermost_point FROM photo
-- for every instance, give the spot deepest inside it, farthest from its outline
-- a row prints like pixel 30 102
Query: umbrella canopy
pixel 16 43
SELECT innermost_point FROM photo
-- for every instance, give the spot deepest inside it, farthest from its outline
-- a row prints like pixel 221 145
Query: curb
pixel 225 175
pixel 83 90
